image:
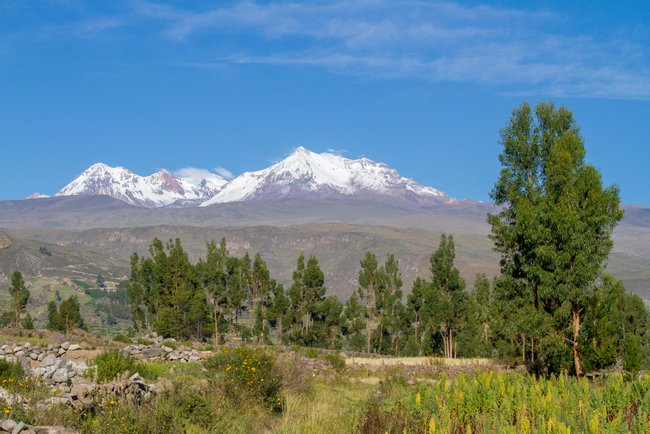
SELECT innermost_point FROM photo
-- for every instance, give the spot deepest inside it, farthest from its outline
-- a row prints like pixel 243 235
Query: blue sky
pixel 422 86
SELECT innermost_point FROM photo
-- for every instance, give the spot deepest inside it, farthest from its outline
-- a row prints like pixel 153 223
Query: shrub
pixel 144 341
pixel 122 338
pixel 10 370
pixel 249 375
pixel 110 364
pixel 311 353
pixel 171 343
pixel 337 362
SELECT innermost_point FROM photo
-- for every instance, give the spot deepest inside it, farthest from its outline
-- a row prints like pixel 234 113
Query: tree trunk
pixel 368 331
pixel 216 326
pixel 575 314
pixel 381 333
pixel 451 343
pixel 532 350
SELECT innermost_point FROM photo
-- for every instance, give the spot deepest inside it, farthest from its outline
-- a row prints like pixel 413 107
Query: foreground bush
pixel 249 375
pixel 513 403
pixel 112 363
pixel 10 370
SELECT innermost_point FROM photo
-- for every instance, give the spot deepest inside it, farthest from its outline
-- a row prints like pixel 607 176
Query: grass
pixel 203 398
pixel 328 408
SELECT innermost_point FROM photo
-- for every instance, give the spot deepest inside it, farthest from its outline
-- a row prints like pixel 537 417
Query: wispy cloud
pixel 223 172
pixel 88 28
pixel 198 173
pixel 509 50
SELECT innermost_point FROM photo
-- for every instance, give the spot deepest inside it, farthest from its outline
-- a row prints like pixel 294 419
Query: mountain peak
pixel 159 189
pixel 309 174
pixel 302 174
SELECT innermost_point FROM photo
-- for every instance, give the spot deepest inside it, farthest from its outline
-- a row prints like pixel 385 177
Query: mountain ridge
pixel 302 174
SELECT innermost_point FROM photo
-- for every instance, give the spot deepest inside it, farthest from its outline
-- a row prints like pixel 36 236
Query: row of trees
pixel 552 305
pixel 223 296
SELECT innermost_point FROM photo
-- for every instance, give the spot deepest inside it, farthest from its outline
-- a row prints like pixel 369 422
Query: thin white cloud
pixel 339 152
pixel 223 172
pixel 509 50
pixel 195 173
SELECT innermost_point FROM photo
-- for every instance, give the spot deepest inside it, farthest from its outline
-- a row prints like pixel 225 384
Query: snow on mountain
pixel 157 190
pixel 36 196
pixel 308 174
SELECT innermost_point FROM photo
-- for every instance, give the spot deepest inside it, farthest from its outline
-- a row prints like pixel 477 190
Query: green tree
pixel 353 322
pixel 314 284
pixel 53 317
pixel 449 309
pixel 69 316
pixel 415 306
pixel 370 279
pixel 298 296
pixel 388 304
pixel 28 322
pixel 554 226
pixel 214 276
pixel 19 296
pixel 260 293
pixel 101 282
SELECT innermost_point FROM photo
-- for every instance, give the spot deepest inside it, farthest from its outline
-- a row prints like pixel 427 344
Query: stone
pixel 33 356
pixel 153 352
pixel 40 357
pixel 166 349
pixel 39 372
pixel 65 345
pixel 194 358
pixel 61 351
pixel 60 375
pixel 136 378
pixel 7 425
pixel 51 430
pixel 74 347
pixel 48 360
pixel 18 428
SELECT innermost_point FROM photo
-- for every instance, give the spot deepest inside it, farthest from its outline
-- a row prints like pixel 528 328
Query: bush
pixel 311 353
pixel 337 362
pixel 112 363
pixel 249 375
pixel 171 343
pixel 10 370
pixel 122 338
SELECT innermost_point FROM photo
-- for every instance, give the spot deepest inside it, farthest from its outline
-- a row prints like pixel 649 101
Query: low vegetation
pixel 552 308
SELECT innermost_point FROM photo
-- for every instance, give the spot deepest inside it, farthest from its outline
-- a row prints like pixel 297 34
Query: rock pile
pixel 48 363
pixel 10 426
pixel 159 351
pixel 83 396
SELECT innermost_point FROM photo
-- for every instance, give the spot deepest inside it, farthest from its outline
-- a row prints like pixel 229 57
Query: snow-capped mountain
pixel 305 174
pixel 157 190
